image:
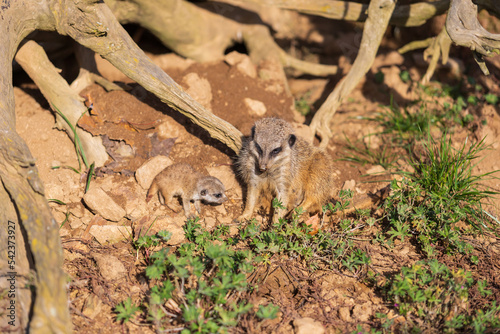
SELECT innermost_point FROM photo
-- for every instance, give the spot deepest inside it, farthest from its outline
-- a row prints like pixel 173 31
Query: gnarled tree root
pixel 61 96
pixel 379 13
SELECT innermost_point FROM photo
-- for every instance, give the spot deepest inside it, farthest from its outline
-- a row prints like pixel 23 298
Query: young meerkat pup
pixel 275 160
pixel 183 180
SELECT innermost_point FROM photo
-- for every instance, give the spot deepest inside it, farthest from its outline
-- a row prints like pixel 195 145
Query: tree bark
pixel 20 180
pixel 465 30
pixel 403 16
pixel 379 14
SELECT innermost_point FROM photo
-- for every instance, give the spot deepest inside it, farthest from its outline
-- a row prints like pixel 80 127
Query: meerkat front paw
pixel 244 216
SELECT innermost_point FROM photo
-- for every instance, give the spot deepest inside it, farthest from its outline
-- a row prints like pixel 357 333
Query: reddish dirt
pixel 338 301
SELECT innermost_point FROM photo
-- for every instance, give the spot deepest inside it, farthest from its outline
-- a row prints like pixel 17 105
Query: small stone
pixel 242 62
pixel 345 314
pixel 172 224
pixel 110 234
pixel 210 222
pixel 255 108
pixel 54 191
pixel 100 202
pixel 92 306
pixel 362 312
pixel 308 326
pixel 110 267
pixel 349 185
pixel 376 170
pixel 199 89
pixel 147 172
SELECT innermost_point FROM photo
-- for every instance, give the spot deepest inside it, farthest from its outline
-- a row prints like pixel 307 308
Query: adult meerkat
pixel 275 160
pixel 183 180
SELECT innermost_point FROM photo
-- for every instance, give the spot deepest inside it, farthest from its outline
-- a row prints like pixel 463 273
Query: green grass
pixel 440 196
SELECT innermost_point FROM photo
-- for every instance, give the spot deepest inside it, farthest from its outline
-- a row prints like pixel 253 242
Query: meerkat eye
pixel 275 151
pixel 203 192
pixel 259 150
pixel 218 195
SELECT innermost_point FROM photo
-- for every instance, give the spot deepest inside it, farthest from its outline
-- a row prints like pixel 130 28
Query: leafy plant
pixel 431 296
pixel 126 310
pixel 196 286
pixel 334 248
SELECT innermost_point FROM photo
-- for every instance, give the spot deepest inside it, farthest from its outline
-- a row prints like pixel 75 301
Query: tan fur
pixel 298 175
pixel 191 186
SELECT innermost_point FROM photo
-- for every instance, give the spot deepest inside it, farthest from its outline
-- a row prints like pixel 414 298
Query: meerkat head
pixel 271 142
pixel 211 190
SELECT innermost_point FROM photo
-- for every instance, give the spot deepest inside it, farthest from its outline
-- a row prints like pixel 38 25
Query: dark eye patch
pixel 218 195
pixel 259 150
pixel 203 192
pixel 275 151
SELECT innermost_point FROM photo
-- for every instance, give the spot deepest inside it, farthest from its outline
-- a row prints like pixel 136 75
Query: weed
pixel 78 145
pixel 440 193
pixel 334 248
pixel 267 312
pixel 196 287
pixel 125 310
pixel 302 105
pixel 491 98
pixel 429 294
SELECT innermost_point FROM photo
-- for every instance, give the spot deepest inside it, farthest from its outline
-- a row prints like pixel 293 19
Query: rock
pixel 225 174
pixel 376 170
pixel 345 314
pixel 349 185
pixel 243 63
pixel 210 222
pixel 92 306
pixel 110 234
pixel 132 198
pixel 221 209
pixel 199 89
pixel 172 224
pixel 99 202
pixel 109 266
pixel 171 61
pixel 308 326
pixel 147 172
pixel 271 70
pixel 54 191
pixel 255 108
pixel 171 130
pixel 362 312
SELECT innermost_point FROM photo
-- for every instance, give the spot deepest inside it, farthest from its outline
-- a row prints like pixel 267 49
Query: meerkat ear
pixel 203 192
pixel 292 140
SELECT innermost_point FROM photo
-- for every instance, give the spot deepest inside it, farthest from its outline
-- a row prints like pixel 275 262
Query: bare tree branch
pixel 379 13
pixel 404 15
pixel 436 47
pixel 56 90
pixel 465 30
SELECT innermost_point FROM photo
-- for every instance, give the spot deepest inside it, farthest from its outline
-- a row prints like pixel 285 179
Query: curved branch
pixel 56 90
pixel 379 14
pixel 201 35
pixel 404 15
pixel 436 47
pixel 113 43
pixel 465 30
